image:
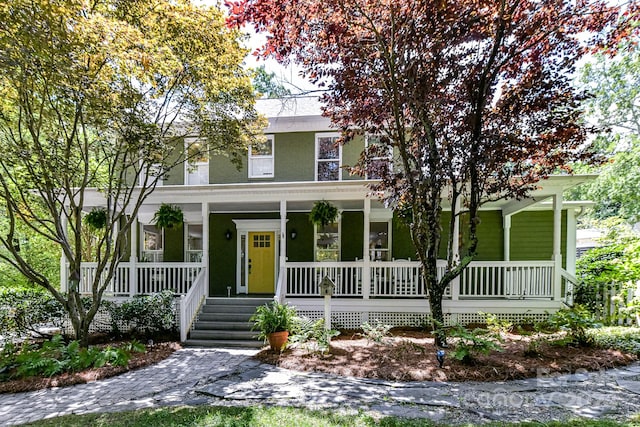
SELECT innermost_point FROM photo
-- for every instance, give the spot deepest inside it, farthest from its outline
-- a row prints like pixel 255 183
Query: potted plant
pixel 323 213
pixel 97 218
pixel 168 216
pixel 273 321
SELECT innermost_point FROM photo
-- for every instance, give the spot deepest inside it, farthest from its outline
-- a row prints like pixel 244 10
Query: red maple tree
pixel 474 97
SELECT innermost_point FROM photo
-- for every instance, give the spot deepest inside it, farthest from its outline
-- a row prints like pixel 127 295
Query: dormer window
pixel 261 162
pixel 328 157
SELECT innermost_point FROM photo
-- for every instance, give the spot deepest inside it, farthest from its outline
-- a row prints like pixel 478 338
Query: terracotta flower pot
pixel 277 340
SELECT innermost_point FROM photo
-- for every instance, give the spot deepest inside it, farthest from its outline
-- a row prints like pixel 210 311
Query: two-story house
pixel 247 233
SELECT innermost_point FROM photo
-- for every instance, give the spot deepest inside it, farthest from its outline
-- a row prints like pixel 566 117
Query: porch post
pixel 557 252
pixel 455 283
pixel 64 271
pixel 205 244
pixel 366 254
pixel 283 245
pixel 133 258
pixel 571 241
pixel 506 236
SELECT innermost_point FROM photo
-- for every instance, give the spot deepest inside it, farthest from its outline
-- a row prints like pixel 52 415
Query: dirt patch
pixel 154 354
pixel 410 356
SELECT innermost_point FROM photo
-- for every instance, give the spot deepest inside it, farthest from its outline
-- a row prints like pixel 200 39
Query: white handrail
pixel 190 304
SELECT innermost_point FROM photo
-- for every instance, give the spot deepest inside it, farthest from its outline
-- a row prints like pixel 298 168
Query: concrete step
pixel 223 334
pixel 224 317
pixel 245 309
pixel 228 325
pixel 224 343
pixel 254 302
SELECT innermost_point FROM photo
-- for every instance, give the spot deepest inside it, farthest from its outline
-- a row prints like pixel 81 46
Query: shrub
pixel 377 332
pixel 145 314
pixel 25 310
pixel 575 321
pixel 469 343
pixel 312 334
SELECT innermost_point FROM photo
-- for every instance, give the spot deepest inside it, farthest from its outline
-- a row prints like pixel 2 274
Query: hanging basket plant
pixel 97 218
pixel 168 216
pixel 323 213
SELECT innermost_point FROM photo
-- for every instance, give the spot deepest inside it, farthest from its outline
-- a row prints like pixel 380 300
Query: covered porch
pixel 371 280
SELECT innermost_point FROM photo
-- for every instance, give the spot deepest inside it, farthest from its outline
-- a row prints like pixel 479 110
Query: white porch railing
pixel 392 279
pixel 190 304
pixel 507 279
pixel 150 278
pixel 303 278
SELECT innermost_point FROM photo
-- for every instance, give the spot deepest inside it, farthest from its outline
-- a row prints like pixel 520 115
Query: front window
pixel 261 159
pixel 379 241
pixel 328 242
pixel 194 243
pixel 152 243
pixel 328 156
pixel 197 163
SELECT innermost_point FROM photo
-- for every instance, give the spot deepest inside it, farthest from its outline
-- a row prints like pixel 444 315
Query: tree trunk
pixel 437 316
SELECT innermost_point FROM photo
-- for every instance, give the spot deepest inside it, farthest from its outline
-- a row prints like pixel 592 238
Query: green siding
pixel 301 249
pixel 173 244
pixel 350 155
pixel 352 235
pixel 294 161
pixel 401 244
pixel 490 232
pixel 223 252
pixel 222 171
pixel 294 156
pixel 489 237
pixel 532 236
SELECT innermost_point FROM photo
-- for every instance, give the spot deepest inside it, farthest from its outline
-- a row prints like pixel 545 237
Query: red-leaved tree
pixel 474 97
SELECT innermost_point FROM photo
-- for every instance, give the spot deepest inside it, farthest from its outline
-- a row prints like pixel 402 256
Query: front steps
pixel 224 322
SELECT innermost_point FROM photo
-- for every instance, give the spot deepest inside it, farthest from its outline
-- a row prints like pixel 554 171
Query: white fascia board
pixel 299 124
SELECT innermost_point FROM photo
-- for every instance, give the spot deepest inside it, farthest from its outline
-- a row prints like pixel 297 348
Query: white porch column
pixel 506 236
pixel 205 243
pixel 133 258
pixel 571 241
pixel 64 271
pixel 283 249
pixel 366 254
pixel 557 251
pixel 455 283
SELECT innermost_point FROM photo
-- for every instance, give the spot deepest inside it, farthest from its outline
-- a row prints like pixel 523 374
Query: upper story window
pixel 197 166
pixel 261 163
pixel 328 157
pixel 155 170
pixel 379 157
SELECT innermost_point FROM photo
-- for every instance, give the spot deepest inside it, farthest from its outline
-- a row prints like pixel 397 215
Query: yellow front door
pixel 261 262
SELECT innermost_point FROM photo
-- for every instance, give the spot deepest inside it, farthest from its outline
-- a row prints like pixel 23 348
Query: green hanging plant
pixel 323 213
pixel 97 218
pixel 168 216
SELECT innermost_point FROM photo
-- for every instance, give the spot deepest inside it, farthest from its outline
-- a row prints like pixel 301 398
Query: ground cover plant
pixel 55 363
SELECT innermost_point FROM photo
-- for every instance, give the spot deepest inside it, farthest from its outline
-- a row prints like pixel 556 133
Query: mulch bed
pixel 154 354
pixel 410 356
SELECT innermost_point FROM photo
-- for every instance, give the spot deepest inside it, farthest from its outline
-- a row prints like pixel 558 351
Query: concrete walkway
pixel 232 378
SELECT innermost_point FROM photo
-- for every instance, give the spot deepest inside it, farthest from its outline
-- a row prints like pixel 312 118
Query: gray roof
pixel 303 106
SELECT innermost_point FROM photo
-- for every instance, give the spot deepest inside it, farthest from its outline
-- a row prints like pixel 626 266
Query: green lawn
pixel 258 416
